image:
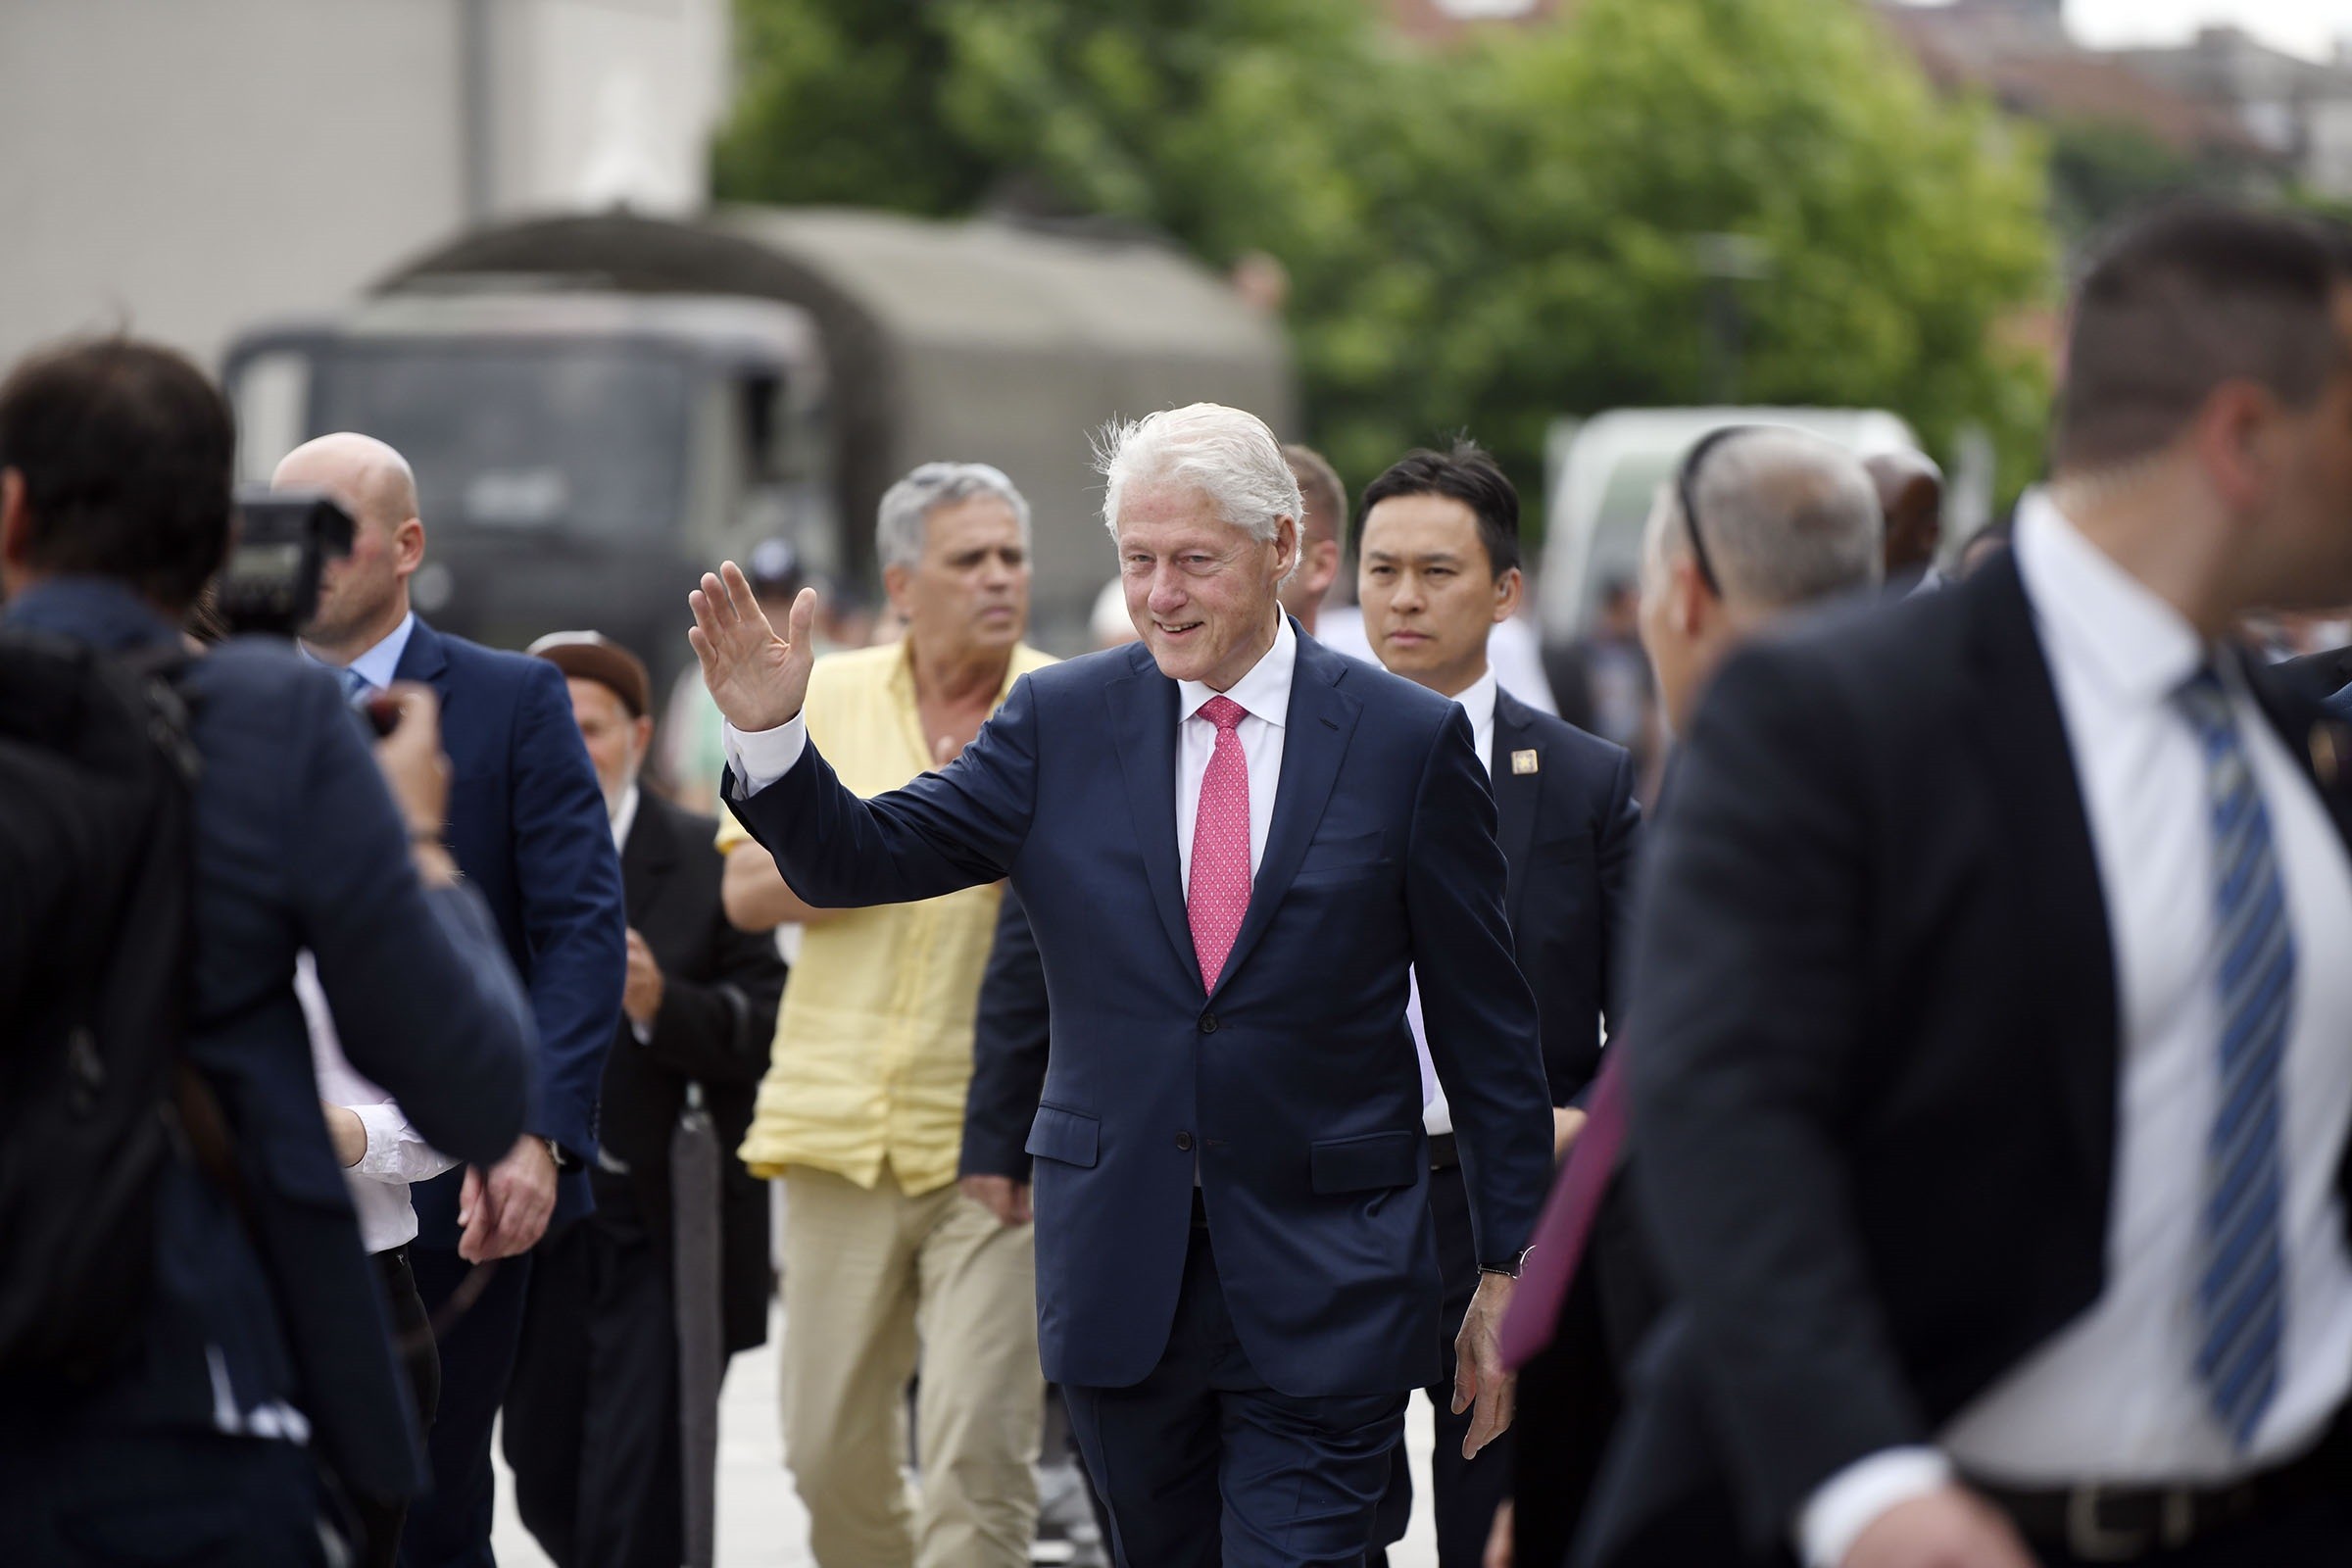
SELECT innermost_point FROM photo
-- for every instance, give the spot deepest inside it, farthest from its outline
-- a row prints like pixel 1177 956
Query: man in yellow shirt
pixel 862 1112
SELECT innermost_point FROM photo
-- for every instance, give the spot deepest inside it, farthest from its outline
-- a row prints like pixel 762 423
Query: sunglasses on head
pixel 1686 485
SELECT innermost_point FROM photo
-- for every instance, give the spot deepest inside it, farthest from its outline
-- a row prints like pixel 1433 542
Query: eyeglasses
pixel 1686 484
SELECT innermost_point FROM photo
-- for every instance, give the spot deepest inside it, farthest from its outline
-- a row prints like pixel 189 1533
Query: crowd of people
pixel 1900 1123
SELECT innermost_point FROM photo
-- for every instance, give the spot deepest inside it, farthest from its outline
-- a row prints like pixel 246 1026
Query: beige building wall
pixel 185 167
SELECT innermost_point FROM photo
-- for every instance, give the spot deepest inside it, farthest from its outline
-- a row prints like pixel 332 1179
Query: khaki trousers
pixel 869 1277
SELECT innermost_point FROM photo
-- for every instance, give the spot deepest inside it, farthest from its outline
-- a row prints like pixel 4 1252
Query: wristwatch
pixel 1511 1268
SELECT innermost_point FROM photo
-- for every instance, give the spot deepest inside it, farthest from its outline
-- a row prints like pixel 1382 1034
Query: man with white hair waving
pixel 1236 1278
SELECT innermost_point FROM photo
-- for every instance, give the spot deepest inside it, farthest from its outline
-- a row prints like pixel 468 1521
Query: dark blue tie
pixel 2241 1280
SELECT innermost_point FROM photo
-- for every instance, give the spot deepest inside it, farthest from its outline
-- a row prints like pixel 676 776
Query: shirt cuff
pixel 1853 1499
pixel 643 1031
pixel 764 755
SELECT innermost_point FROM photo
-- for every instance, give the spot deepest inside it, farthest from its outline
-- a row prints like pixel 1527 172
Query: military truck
pixel 601 407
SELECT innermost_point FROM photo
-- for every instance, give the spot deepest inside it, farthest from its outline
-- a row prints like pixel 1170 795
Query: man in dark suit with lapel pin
pixel 1237 1279
pixel 1437 571
pixel 528 826
pixel 592 1429
pixel 1998 1173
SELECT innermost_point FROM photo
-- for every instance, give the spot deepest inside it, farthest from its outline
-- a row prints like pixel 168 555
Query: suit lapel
pixel 647 857
pixel 1322 718
pixel 2064 941
pixel 425 660
pixel 1516 794
pixel 1141 707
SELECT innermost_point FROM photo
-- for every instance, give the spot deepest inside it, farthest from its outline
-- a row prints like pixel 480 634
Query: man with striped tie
pixel 1996 1166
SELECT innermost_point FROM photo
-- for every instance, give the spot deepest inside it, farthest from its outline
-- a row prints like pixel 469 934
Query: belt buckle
pixel 2087 1536
pixel 2090 1538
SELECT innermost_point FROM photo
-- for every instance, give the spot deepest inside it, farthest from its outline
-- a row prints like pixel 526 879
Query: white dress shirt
pixel 2115 1398
pixel 1477 701
pixel 376 666
pixel 397 1155
pixel 759 758
pixel 1265 694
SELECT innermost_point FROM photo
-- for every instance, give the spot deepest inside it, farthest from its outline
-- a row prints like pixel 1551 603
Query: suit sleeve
pixel 1618 863
pixel 1009 1051
pixel 1480 1017
pixel 951 829
pixel 573 917
pixel 1751 963
pixel 425 1002
pixel 719 1028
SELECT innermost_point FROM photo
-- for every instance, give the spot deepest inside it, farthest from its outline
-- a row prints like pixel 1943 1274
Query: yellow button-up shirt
pixel 873 1046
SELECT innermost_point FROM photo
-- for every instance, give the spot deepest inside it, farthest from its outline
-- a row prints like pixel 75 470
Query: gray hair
pixel 1227 455
pixel 902 521
pixel 1789 517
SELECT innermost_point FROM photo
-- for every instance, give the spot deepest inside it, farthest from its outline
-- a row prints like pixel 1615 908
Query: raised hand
pixel 757 679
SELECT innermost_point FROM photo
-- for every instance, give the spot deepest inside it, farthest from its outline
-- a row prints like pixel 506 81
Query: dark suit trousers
pixel 1205 1466
pixel 1469 1491
pixel 449 1525
pixel 101 1499
pixel 592 1420
pixel 420 1360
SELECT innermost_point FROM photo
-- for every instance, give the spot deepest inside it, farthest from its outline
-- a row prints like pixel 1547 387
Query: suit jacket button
pixel 1208 1023
pixel 1183 1143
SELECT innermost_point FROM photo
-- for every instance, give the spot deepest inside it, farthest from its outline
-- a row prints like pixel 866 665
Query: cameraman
pixel 263 1358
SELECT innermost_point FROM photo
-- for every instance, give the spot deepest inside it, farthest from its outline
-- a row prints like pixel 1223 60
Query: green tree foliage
pixel 1484 237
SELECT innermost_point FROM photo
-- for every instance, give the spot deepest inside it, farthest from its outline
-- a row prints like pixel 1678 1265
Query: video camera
pixel 282 543
pixel 284 539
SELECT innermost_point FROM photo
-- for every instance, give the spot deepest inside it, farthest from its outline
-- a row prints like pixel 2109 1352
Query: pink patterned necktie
pixel 1219 891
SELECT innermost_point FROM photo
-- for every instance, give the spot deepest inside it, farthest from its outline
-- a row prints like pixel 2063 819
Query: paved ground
pixel 760 1524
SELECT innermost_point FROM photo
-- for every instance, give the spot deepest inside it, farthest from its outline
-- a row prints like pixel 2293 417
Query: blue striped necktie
pixel 2242 1281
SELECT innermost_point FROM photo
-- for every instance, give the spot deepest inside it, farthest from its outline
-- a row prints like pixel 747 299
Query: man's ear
pixel 1509 589
pixel 1689 602
pixel 1286 542
pixel 894 585
pixel 2233 436
pixel 15 520
pixel 408 547
pixel 642 730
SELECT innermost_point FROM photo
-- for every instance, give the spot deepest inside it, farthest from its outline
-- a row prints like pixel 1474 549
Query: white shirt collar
pixel 1265 693
pixel 379 664
pixel 1478 700
pixel 2107 621
pixel 624 816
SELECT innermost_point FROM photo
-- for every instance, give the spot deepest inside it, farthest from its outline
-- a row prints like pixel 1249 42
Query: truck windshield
pixel 584 437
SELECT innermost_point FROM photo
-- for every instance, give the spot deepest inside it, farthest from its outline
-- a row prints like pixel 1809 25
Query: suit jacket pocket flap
pixel 1068 1136
pixel 1371 1160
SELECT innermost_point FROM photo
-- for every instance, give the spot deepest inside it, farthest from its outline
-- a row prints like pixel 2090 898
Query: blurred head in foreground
pixel 2203 436
pixel 1759 520
pixel 115 462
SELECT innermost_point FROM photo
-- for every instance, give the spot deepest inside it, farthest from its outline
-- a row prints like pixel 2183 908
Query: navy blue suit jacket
pixel 1569 828
pixel 527 825
pixel 1296 1098
pixel 298 845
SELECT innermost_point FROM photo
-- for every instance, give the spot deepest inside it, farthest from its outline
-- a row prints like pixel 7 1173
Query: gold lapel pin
pixel 2327 758
pixel 1525 761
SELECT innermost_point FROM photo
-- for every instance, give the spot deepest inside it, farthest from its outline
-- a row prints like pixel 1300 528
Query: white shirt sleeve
pixel 764 755
pixel 395 1150
pixel 1852 1501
